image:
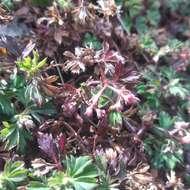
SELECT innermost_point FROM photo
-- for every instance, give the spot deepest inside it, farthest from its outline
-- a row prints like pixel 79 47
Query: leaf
pixel 141 25
pixel 41 3
pixel 41 167
pixel 105 98
pixel 7 3
pixel 91 41
pixel 31 65
pixel 46 109
pixel 115 118
pixel 127 23
pixel 13 174
pixel 80 174
pixel 28 49
pixel 38 66
pixel 34 185
pixel 14 136
pixel 47 144
pixel 6 107
pixel 165 120
pixel 134 7
pixel 171 161
pixel 153 16
pixel 146 42
pixel 33 93
pixel 175 88
pixel 65 4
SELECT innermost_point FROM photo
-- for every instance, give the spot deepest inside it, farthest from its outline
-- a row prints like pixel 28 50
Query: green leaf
pixel 171 161
pixel 165 121
pixel 176 89
pixel 35 185
pixel 6 106
pixel 65 4
pixel 14 136
pixel 141 25
pixel 134 7
pixel 31 66
pixel 115 118
pixel 8 4
pixel 91 41
pixel 128 23
pixel 146 42
pixel 80 174
pixel 105 98
pixel 47 109
pixel 38 66
pixel 33 93
pixel 153 16
pixel 13 174
pixel 41 3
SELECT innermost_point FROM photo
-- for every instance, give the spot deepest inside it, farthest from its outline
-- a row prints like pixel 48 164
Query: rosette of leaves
pixel 32 66
pixel 13 175
pixel 80 174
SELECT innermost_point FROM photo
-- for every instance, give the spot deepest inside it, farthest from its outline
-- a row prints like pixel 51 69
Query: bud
pixel 100 113
pixel 61 142
pixel 89 111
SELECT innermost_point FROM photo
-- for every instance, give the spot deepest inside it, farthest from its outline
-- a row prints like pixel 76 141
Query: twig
pixel 69 127
pixel 59 72
pixel 122 23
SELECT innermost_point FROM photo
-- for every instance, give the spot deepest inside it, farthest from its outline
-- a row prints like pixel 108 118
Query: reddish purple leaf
pixel 47 145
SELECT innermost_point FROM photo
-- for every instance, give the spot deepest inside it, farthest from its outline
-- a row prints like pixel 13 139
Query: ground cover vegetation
pixel 94 94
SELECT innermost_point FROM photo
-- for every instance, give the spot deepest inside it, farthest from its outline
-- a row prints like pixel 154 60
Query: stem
pixel 122 23
pixel 96 98
pixel 81 144
pixel 59 72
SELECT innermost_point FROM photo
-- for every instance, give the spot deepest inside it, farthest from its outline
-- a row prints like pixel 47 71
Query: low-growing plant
pixel 14 174
pixel 80 174
pixel 164 153
pixel 108 86
pixel 31 65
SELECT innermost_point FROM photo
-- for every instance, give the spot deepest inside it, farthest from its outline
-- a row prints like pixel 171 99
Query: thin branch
pixel 79 139
pixel 59 72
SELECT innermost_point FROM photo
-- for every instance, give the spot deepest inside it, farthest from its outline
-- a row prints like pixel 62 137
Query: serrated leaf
pixel 165 120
